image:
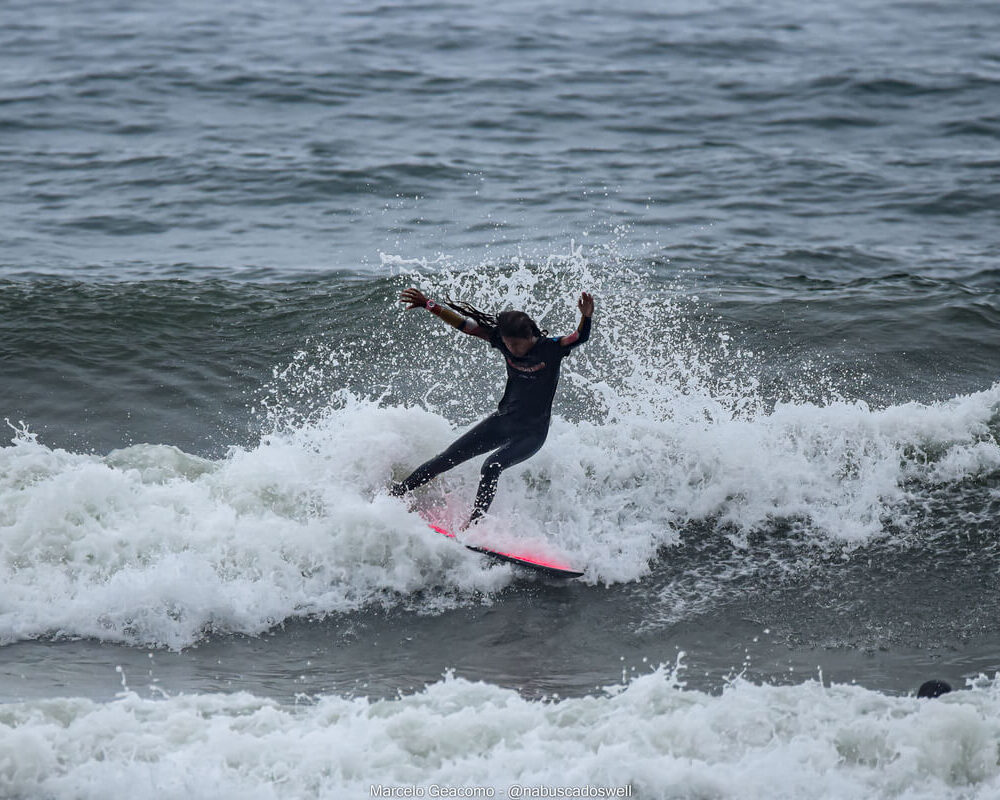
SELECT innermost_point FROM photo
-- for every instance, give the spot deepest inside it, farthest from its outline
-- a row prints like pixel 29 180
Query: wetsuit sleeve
pixel 473 328
pixel 453 318
pixel 577 337
pixel 456 320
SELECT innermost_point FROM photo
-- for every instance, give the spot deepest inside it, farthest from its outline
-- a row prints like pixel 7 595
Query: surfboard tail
pixel 544 564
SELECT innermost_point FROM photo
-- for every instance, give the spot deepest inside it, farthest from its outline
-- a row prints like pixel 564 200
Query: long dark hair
pixel 515 324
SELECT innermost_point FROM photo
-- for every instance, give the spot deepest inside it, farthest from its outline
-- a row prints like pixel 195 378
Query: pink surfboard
pixel 544 564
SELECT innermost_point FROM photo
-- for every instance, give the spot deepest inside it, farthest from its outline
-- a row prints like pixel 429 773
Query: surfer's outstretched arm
pixel 414 298
pixel 582 332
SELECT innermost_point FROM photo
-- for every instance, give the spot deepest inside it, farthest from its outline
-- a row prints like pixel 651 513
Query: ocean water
pixel 777 460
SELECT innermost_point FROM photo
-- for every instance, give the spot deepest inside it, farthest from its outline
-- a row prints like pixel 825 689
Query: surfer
pixel 517 429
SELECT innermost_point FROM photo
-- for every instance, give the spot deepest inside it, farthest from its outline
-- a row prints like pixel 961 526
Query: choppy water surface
pixel 778 459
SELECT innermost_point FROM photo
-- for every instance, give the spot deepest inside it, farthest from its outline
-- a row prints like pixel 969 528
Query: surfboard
pixel 544 564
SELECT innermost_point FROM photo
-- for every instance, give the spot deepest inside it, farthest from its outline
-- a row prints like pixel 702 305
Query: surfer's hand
pixel 414 297
pixel 586 304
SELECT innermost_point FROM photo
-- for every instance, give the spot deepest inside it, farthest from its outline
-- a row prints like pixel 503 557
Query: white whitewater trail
pixel 152 545
pixel 766 742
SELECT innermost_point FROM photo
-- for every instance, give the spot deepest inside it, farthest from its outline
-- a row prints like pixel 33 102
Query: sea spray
pixel 661 430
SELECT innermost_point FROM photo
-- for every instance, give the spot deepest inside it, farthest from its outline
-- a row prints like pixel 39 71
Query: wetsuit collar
pixel 527 352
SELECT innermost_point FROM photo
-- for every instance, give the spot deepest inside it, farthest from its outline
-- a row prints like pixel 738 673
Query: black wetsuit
pixel 517 429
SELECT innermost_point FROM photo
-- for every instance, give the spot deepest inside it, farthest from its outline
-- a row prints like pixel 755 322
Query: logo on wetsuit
pixel 526 368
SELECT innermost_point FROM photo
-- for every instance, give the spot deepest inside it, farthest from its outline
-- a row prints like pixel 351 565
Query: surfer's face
pixel 517 346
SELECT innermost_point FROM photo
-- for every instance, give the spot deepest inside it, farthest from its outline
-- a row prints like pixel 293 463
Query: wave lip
pixel 664 431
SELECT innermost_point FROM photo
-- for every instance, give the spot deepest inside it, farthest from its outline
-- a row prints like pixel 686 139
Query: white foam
pixel 751 741
pixel 152 545
pixel 655 429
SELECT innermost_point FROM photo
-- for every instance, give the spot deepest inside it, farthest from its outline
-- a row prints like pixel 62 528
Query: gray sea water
pixel 777 460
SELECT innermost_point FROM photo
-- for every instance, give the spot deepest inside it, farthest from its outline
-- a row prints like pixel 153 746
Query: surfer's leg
pixel 489 433
pixel 521 447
